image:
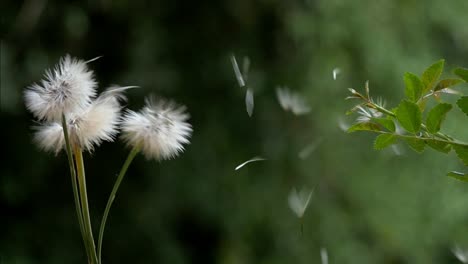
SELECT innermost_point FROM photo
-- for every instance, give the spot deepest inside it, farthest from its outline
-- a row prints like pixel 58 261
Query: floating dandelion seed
pixel 249 101
pixel 237 72
pixel 307 150
pixel 68 88
pixel 87 127
pixel 160 129
pixel 460 254
pixel 336 71
pixel 290 101
pixel 324 255
pixel 343 125
pixel 298 201
pixel 249 161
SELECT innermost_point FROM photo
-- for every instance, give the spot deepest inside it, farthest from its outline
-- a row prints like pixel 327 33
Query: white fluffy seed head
pixel 68 88
pixel 87 128
pixel 160 129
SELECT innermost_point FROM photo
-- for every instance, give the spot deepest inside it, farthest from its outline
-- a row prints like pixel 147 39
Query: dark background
pixel 368 206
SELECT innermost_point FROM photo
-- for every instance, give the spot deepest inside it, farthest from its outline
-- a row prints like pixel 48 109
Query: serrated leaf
pixel 432 74
pixel 445 83
pixel 462 153
pixel 436 116
pixel 463 104
pixel 409 116
pixel 438 145
pixel 364 127
pixel 386 123
pixel 416 144
pixel 384 140
pixel 462 73
pixel 458 175
pixel 413 86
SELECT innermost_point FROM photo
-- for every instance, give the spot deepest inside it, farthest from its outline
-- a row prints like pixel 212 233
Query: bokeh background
pixel 391 206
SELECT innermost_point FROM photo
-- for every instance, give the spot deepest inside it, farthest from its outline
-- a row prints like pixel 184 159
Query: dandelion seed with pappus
pixel 68 88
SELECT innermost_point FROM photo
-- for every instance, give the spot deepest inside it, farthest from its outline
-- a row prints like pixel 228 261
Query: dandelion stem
pixel 76 196
pixel 84 202
pixel 120 177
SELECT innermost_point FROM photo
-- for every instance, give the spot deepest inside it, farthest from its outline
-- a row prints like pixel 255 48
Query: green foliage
pixel 409 114
pixel 386 122
pixel 416 144
pixel 414 86
pixel 432 74
pixel 462 73
pixel 436 116
pixel 462 152
pixel 463 104
pixel 458 175
pixel 384 140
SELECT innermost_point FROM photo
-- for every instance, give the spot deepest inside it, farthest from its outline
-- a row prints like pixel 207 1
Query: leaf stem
pixel 84 201
pixel 76 196
pixel 117 183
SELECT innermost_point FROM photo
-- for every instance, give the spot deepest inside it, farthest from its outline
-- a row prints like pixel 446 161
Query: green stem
pixel 84 201
pixel 76 196
pixel 120 177
pixel 455 142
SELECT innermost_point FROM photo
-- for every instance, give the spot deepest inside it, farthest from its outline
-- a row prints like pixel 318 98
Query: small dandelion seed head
pixel 87 128
pixel 160 129
pixel 68 88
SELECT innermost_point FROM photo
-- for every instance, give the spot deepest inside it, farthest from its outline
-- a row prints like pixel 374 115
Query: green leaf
pixel 384 140
pixel 436 116
pixel 413 86
pixel 438 145
pixel 386 123
pixel 445 83
pixel 409 116
pixel 463 104
pixel 432 74
pixel 462 153
pixel 364 127
pixel 416 144
pixel 462 73
pixel 458 175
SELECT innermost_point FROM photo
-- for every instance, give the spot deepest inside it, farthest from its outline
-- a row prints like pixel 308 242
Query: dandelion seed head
pixel 160 129
pixel 298 201
pixel 291 101
pixel 88 127
pixel 68 88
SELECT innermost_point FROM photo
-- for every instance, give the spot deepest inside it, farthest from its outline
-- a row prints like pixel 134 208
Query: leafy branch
pixel 406 122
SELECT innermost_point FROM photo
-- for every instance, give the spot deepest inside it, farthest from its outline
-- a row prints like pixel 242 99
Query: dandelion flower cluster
pixel 70 91
pixel 160 129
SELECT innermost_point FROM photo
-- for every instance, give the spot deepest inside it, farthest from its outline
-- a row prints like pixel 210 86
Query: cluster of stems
pixel 78 179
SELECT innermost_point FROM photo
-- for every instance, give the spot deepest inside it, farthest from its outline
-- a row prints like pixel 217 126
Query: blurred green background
pixel 368 206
